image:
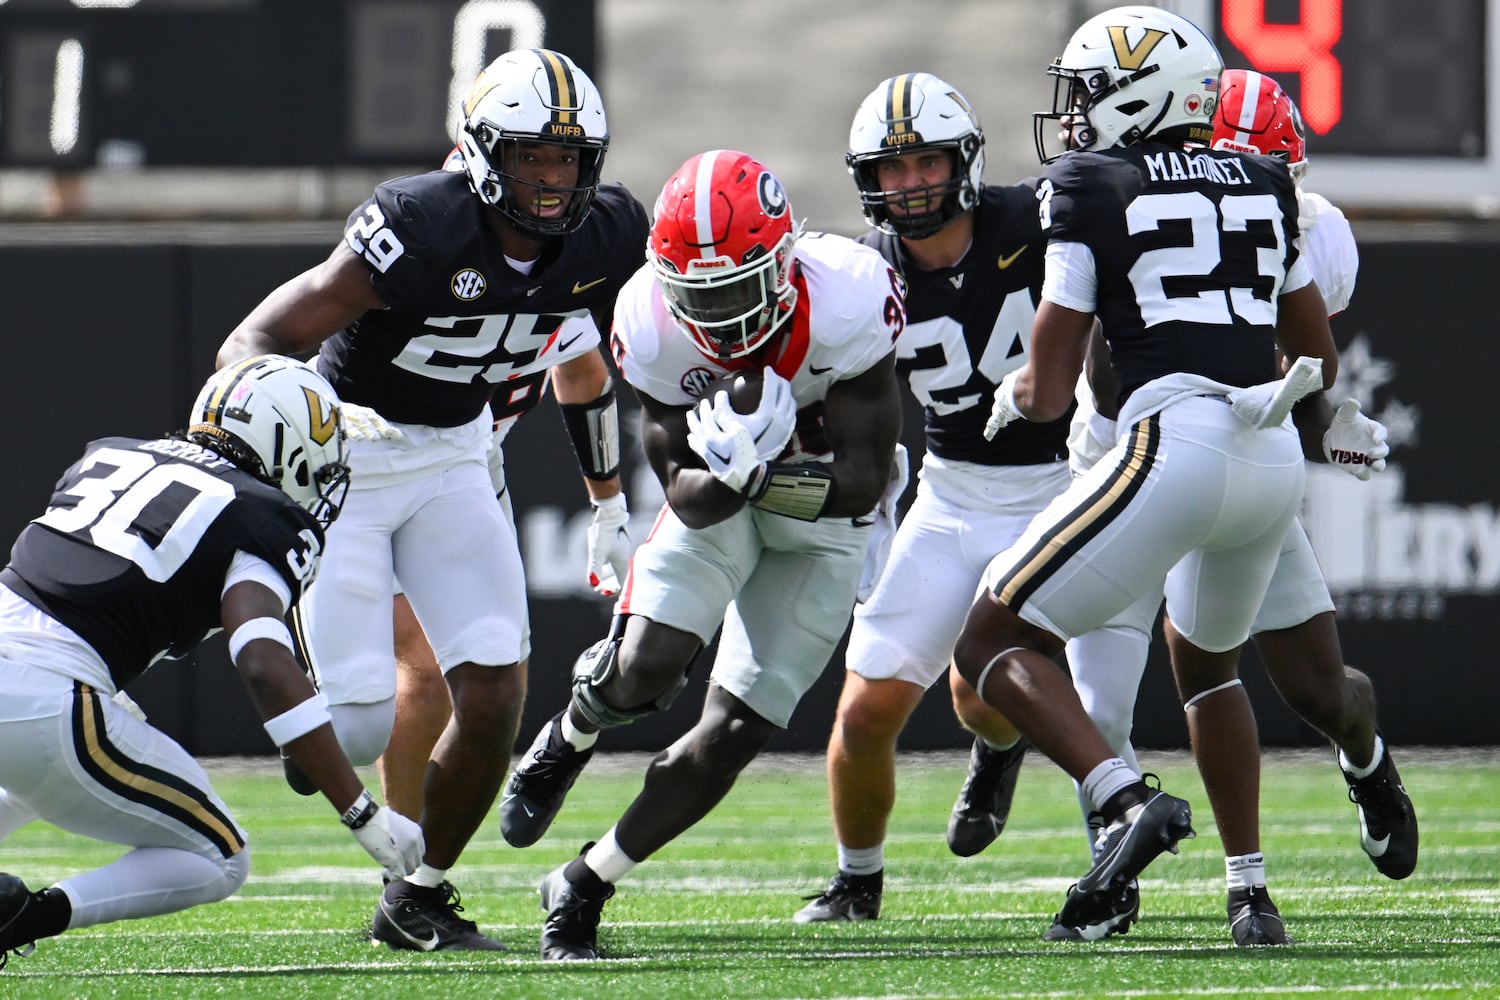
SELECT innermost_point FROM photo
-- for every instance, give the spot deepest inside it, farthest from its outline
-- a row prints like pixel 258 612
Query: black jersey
pixel 1191 248
pixel 460 319
pixel 133 550
pixel 969 325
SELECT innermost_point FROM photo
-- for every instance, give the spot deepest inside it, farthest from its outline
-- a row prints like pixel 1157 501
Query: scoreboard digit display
pixel 255 83
pixel 1399 96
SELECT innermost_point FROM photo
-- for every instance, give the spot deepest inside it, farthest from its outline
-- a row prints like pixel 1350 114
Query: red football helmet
pixel 1256 116
pixel 721 247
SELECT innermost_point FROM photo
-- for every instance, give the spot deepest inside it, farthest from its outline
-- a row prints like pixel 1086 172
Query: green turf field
pixel 709 916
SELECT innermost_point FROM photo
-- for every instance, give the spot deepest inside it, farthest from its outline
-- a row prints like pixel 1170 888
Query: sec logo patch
pixel 468 284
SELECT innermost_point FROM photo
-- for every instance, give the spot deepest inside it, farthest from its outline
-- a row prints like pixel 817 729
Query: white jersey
pixel 1329 249
pixel 841 290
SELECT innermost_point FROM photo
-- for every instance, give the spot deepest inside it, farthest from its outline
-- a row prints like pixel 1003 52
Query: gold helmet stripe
pixel 213 410
pixel 564 102
pixel 898 111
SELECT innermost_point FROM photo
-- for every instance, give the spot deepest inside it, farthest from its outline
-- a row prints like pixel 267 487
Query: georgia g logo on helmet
pixel 773 199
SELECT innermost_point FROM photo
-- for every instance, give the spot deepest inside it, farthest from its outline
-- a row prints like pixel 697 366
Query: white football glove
pixel 362 423
pixel 1267 404
pixel 773 421
pixel 609 544
pixel 887 519
pixel 724 444
pixel 1354 442
pixel 393 840
pixel 1004 410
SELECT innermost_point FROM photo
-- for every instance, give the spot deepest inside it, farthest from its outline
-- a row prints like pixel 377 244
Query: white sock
pixel 1245 871
pixel 428 876
pixel 1369 769
pixel 576 738
pixel 862 860
pixel 999 748
pixel 606 860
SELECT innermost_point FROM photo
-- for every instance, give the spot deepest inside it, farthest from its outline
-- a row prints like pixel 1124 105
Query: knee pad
pixel 595 667
pixel 364 729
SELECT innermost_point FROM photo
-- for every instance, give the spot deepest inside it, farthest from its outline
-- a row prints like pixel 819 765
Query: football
pixel 743 387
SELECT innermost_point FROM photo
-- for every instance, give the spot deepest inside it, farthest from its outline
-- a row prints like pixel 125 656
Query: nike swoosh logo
pixel 1005 262
pixel 815 370
pixel 570 343
pixel 583 286
pixel 722 458
pixel 528 811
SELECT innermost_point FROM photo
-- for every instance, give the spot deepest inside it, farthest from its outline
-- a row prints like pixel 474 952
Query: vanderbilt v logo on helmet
pixel 1132 57
pixel 323 416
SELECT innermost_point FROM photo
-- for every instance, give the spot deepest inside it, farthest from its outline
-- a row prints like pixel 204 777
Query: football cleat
pixel 538 785
pixel 1127 849
pixel 571 932
pixel 848 897
pixel 1254 920
pixel 1387 821
pixel 413 917
pixel 983 803
pixel 15 900
pixel 1098 916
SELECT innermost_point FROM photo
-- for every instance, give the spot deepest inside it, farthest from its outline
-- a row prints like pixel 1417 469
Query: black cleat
pixel 1387 821
pixel 1098 916
pixel 983 803
pixel 538 784
pixel 848 897
pixel 412 917
pixel 15 900
pixel 1254 920
pixel 1127 849
pixel 571 933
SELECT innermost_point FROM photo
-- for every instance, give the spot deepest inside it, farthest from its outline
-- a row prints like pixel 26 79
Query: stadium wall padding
pixel 115 338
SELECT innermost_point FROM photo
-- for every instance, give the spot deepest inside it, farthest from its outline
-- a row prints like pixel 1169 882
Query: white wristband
pixel 259 628
pixel 299 720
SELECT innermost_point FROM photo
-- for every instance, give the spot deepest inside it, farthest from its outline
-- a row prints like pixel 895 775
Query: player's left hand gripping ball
pixel 610 546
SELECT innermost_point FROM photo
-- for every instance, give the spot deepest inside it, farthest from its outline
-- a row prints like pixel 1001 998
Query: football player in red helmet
pixel 767 518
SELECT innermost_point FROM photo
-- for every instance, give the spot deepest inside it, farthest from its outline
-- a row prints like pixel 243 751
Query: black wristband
pixel 363 810
pixel 594 430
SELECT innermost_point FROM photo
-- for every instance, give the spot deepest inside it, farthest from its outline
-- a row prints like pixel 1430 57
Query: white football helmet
pixel 910 113
pixel 532 96
pixel 279 420
pixel 1131 74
